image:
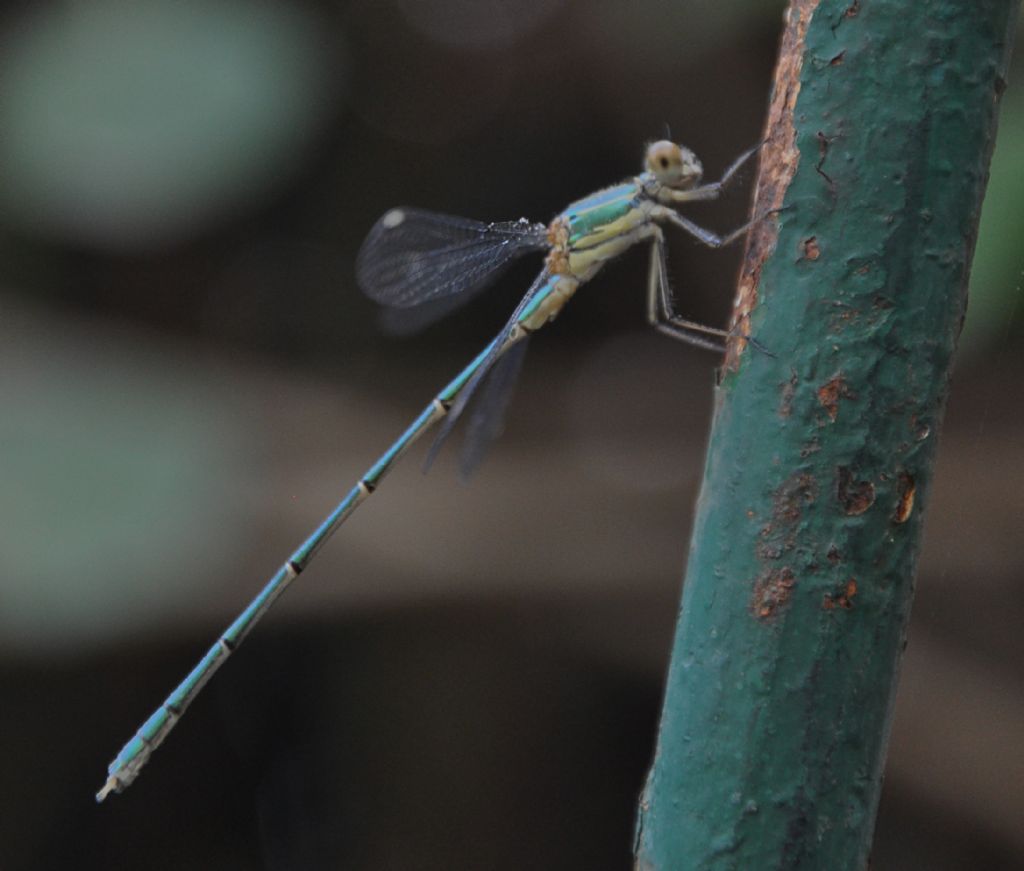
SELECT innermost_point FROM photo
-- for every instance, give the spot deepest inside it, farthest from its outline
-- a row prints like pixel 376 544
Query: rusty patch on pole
pixel 779 160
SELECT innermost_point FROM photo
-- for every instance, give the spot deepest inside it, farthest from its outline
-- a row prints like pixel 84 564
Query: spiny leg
pixel 712 240
pixel 660 313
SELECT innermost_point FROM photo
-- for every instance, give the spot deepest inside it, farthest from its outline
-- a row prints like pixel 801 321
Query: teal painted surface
pixel 800 577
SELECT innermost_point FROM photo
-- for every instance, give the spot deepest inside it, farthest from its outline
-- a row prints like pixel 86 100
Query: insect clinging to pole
pixel 412 257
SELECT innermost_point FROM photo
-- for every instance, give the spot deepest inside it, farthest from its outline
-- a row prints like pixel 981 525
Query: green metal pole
pixel 800 578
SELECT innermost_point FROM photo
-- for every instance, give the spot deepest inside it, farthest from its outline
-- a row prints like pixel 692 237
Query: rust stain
pixel 843 599
pixel 906 489
pixel 773 585
pixel 831 392
pixel 812 251
pixel 779 160
pixel 810 447
pixel 856 497
pixel 778 536
pixel 843 316
pixel 772 591
pixel 789 500
pixel 833 555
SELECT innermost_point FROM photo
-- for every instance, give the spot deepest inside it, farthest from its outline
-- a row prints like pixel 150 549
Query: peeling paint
pixel 788 393
pixel 856 497
pixel 842 317
pixel 778 536
pixel 831 392
pixel 789 500
pixel 772 591
pixel 810 447
pixel 843 599
pixel 906 490
pixel 811 249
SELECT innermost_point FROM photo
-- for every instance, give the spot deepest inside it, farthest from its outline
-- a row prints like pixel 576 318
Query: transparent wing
pixel 500 349
pixel 412 256
pixel 487 421
pixel 413 319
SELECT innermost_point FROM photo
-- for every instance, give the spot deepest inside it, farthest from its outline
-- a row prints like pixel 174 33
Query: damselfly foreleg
pixel 713 190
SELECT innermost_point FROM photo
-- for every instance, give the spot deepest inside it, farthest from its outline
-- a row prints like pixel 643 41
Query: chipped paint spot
pixel 772 591
pixel 790 498
pixel 843 316
pixel 811 249
pixel 843 599
pixel 837 60
pixel 856 497
pixel 906 490
pixel 810 447
pixel 831 392
pixel 778 536
pixel 833 555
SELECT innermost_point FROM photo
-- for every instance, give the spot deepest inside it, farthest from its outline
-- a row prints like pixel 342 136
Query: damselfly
pixel 413 257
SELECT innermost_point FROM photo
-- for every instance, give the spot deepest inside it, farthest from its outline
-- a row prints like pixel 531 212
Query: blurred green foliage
pixel 122 123
pixel 994 310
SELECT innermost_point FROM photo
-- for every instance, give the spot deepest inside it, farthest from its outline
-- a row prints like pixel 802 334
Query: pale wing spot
pixel 393 218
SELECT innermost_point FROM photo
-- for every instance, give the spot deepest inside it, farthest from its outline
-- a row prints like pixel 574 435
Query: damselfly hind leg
pixel 661 311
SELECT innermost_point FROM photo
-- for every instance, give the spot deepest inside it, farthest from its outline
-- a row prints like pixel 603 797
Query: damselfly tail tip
pixel 108 787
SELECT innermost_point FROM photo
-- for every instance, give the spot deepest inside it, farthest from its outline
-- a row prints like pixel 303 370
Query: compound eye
pixel 665 162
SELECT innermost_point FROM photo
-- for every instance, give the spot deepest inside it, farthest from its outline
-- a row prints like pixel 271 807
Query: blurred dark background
pixel 468 676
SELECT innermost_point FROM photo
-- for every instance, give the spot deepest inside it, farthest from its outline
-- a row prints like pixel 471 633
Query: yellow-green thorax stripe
pixel 603 215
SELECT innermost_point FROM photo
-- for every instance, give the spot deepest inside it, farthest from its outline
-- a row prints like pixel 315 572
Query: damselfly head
pixel 673 165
